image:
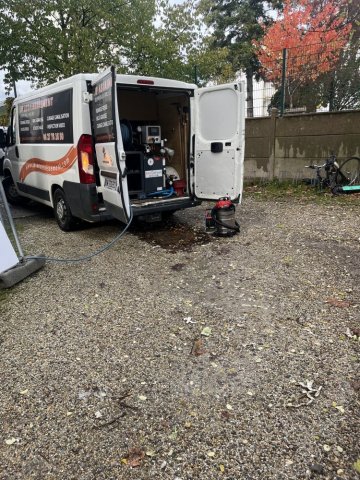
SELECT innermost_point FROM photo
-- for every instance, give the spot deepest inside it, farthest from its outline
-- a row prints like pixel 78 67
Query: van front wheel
pixel 11 193
pixel 62 211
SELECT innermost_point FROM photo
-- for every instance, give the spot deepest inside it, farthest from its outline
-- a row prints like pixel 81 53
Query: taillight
pixel 86 159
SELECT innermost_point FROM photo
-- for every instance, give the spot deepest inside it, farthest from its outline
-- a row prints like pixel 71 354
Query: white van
pixel 95 146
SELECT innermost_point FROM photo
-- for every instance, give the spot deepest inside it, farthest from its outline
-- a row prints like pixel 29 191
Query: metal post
pixel 14 87
pixel 195 74
pixel 283 81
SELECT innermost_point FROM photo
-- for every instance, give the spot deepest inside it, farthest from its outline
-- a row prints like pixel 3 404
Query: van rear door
pixel 109 145
pixel 219 141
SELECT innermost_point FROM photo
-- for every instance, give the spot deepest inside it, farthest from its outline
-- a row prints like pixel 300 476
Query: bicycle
pixel 344 178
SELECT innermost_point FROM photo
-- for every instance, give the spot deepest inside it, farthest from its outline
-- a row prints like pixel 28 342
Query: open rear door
pixel 109 146
pixel 219 141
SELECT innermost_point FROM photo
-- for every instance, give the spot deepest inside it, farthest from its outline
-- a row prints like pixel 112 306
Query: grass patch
pixel 287 190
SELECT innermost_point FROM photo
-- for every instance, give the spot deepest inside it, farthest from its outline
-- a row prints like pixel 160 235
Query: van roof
pixel 158 82
pixel 120 79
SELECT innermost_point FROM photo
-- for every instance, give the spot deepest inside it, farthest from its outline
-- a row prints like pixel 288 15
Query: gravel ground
pixel 105 373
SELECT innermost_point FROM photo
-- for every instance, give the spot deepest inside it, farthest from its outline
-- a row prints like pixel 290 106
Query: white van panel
pixel 219 142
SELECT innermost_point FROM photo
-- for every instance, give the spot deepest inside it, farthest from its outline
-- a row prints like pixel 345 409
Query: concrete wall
pixel 280 147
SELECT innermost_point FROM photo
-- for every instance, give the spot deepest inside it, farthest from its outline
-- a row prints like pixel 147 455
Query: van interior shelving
pixel 164 115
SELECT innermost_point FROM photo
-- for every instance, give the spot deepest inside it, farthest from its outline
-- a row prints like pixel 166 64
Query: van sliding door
pixel 109 146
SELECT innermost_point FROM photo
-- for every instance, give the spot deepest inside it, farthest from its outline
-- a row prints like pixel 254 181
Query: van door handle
pixel 17 152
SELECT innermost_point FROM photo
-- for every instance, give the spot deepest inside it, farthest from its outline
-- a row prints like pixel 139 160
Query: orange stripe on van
pixel 46 167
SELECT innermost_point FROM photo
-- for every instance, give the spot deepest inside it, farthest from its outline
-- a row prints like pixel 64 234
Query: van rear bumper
pixel 84 201
pixel 165 205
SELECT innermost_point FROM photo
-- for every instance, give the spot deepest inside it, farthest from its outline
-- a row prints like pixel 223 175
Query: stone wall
pixel 280 147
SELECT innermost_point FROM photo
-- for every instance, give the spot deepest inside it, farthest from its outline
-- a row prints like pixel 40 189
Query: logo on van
pixel 46 167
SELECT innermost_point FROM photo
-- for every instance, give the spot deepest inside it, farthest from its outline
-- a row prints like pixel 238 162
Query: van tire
pixel 11 193
pixel 62 211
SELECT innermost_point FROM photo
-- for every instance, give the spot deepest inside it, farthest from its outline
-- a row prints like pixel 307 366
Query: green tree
pixel 46 41
pixel 4 118
pixel 43 41
pixel 236 25
pixel 177 45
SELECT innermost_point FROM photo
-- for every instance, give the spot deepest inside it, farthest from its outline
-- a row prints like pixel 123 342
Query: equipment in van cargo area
pixel 95 147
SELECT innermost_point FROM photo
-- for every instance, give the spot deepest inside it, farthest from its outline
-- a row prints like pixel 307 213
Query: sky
pixel 24 86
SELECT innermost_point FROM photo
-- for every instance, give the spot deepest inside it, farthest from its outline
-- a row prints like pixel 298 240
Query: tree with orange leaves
pixel 314 32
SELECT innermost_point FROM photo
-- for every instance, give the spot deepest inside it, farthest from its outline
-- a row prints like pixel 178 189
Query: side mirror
pixel 2 139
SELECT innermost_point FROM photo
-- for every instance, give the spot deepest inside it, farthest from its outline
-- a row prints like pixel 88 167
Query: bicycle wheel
pixel 349 172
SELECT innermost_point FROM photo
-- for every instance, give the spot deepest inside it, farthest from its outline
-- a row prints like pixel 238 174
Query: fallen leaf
pixel 189 320
pixel 355 331
pixel 357 465
pixel 348 333
pixel 142 398
pixel 188 424
pixel 334 302
pixel 135 457
pixel 173 434
pixel 211 454
pixel 356 385
pixel 99 393
pixel 225 415
pixel 150 453
pixel 11 441
pixel 222 468
pixel 198 347
pixel 24 392
pixel 206 331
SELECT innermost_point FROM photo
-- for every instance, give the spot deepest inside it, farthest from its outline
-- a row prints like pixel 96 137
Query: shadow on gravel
pixel 31 209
